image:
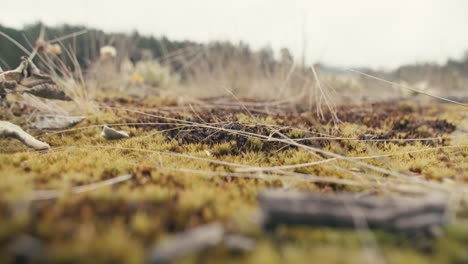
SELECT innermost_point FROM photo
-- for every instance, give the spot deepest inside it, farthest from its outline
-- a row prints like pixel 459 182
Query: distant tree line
pixel 133 46
pixel 86 46
pixel 179 54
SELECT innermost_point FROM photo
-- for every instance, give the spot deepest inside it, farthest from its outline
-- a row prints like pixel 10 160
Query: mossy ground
pixel 118 224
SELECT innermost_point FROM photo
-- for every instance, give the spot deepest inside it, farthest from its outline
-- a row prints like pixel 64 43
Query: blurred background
pixel 255 48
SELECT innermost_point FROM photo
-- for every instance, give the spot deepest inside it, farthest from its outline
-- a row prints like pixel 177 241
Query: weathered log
pixel 346 210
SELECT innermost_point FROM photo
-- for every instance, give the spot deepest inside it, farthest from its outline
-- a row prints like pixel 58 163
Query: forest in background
pixel 137 47
pixel 208 69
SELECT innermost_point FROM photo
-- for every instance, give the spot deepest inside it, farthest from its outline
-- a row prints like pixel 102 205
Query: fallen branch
pixel 9 130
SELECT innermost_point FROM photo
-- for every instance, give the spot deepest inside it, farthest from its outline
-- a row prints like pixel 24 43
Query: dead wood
pixel 48 91
pixel 345 210
pixel 196 239
pixel 54 122
pixel 27 78
pixel 9 130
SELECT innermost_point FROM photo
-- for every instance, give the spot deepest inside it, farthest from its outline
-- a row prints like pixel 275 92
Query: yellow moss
pixel 118 223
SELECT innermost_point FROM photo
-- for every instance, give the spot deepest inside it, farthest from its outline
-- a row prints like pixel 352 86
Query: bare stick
pixel 10 130
pixel 293 166
pixel 52 194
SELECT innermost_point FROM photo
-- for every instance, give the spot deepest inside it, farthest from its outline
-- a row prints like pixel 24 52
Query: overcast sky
pixel 373 33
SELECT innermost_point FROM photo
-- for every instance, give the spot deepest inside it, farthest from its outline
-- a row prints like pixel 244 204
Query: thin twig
pixel 39 195
pixel 408 88
pixel 294 166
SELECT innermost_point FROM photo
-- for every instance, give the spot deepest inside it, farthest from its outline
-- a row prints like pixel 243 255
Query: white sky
pixel 373 33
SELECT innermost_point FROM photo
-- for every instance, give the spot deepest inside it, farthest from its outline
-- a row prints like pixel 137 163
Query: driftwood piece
pixel 9 130
pixel 54 122
pixel 111 134
pixel 191 241
pixel 345 210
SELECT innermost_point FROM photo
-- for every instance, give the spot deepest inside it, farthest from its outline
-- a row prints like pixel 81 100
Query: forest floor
pixel 204 163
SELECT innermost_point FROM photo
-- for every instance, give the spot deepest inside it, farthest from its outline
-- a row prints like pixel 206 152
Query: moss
pixel 255 144
pixel 223 148
pixel 119 223
pixel 296 133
